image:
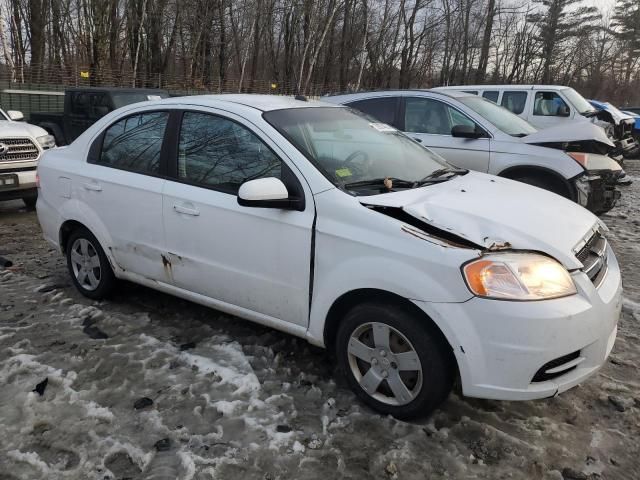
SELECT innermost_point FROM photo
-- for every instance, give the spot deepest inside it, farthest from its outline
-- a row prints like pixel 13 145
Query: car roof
pixel 116 90
pixel 503 87
pixel 264 103
pixel 338 98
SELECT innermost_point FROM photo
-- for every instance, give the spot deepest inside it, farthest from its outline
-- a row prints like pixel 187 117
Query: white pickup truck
pixel 21 146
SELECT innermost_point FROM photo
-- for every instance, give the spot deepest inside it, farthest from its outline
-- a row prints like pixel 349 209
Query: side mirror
pixel 267 192
pixel 466 131
pixel 563 111
pixel 15 115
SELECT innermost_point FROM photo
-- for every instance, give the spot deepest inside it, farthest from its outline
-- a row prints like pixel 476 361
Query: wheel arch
pixel 350 299
pixel 66 229
pixel 517 171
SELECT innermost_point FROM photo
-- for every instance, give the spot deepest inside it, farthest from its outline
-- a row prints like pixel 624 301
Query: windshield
pixel 503 119
pixel 122 99
pixel 356 152
pixel 578 101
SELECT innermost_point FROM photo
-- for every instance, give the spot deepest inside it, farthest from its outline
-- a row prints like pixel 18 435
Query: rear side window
pixel 134 143
pixel 219 153
pixel 382 109
pixel 514 101
pixel 491 95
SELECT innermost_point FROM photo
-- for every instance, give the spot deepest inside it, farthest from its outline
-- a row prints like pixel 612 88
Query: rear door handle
pixel 186 210
pixel 92 186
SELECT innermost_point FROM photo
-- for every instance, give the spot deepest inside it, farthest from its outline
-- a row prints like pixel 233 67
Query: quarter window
pixel 382 109
pixel 514 101
pixel 550 104
pixel 219 153
pixel 424 115
pixel 134 143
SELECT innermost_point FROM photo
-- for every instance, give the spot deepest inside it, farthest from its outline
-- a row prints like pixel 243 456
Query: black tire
pixel 546 183
pixel 436 360
pixel 30 201
pixel 102 272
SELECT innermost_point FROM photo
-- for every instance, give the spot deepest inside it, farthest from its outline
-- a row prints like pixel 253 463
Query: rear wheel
pixel 394 361
pixel 88 265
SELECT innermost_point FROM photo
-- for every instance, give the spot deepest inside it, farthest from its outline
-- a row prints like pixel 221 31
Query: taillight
pixel 580 157
pixel 37 180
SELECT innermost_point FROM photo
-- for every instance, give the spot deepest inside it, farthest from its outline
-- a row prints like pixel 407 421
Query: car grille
pixel 18 150
pixel 593 256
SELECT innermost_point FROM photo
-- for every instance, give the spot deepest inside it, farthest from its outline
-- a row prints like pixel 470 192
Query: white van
pixel 546 106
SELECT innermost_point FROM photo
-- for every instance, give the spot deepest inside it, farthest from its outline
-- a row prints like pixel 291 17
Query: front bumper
pixel 596 190
pixel 500 346
pixel 26 186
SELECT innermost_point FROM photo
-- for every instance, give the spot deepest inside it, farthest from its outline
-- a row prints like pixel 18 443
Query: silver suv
pixel 475 133
pixel 21 146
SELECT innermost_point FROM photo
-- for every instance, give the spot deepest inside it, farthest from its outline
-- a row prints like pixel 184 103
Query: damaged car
pixel 473 132
pixel 618 125
pixel 315 220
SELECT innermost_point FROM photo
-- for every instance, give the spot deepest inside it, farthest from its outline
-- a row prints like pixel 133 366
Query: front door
pixel 255 258
pixel 549 109
pixel 430 121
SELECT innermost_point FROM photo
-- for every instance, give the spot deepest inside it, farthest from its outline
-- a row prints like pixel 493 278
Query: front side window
pixel 382 109
pixel 514 101
pixel 219 153
pixel 135 142
pixel 350 148
pixel 500 117
pixel 550 104
pixel 425 115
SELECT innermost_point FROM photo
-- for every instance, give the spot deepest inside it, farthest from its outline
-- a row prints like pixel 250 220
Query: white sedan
pixel 314 220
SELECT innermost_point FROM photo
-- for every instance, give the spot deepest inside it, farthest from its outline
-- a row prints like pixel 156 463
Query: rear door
pixel 255 258
pixel 122 184
pixel 78 116
pixel 429 121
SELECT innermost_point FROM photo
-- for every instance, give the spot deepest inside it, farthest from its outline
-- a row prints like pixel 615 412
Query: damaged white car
pixel 312 219
pixel 475 133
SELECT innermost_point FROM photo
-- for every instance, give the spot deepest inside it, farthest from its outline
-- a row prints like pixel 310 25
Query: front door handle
pixel 186 210
pixel 92 186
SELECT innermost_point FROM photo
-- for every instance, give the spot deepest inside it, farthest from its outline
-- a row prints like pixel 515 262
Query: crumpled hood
pixel 20 129
pixel 492 211
pixel 616 114
pixel 569 132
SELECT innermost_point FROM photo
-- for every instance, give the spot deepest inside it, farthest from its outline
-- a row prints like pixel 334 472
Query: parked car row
pixel 472 132
pixel 332 225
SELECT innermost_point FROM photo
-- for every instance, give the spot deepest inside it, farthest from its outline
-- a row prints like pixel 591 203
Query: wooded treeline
pixel 322 46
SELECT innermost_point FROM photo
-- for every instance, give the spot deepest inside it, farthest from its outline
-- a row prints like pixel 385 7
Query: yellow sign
pixel 84 74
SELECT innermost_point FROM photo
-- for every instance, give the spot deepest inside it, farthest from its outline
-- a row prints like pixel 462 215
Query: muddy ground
pixel 149 386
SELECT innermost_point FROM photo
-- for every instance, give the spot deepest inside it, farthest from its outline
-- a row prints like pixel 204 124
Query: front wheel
pixel 88 265
pixel 393 360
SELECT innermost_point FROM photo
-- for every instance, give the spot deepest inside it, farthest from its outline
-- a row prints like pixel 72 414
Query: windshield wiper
pixel 440 175
pixel 396 182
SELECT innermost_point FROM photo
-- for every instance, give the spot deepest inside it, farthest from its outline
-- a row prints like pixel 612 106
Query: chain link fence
pixel 41 88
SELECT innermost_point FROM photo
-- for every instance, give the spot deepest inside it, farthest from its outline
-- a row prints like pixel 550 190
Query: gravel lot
pixel 149 386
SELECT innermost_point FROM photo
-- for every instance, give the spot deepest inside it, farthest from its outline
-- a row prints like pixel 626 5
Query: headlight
pixel 518 276
pixel 46 141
